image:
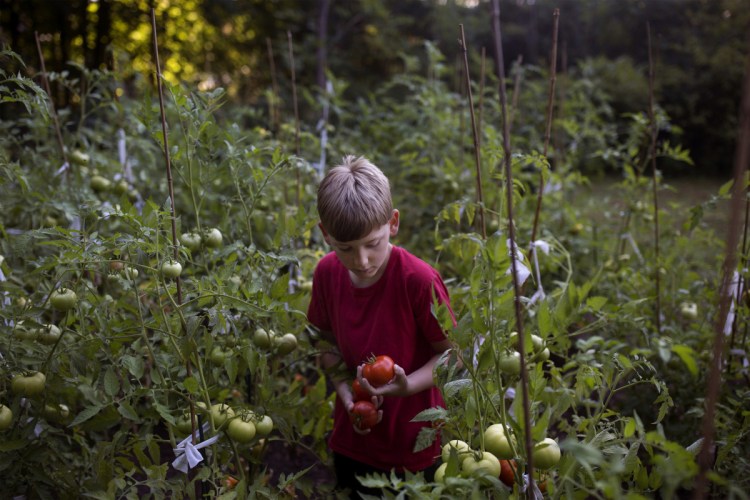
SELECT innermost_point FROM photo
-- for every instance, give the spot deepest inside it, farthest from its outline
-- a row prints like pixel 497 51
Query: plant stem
pixel 273 106
pixel 511 234
pixel 655 181
pixel 477 156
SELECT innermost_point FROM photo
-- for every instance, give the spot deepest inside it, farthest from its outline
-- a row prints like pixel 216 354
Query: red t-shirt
pixel 393 316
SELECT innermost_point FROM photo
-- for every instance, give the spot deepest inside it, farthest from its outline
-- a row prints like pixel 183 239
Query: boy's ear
pixel 325 234
pixel 393 223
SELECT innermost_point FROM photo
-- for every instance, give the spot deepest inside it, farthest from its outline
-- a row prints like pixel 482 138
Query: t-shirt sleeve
pixel 317 314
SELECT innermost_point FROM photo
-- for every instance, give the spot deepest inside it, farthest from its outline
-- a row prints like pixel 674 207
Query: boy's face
pixel 366 258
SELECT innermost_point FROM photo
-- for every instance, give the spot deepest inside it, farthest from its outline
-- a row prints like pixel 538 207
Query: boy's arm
pixel 406 385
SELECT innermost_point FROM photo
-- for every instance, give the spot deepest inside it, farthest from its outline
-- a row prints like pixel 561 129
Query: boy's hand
pixel 398 386
pixel 350 410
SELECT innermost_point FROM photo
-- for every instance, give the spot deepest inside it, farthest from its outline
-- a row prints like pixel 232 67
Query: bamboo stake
pixel 741 163
pixel 548 128
pixel 53 111
pixel 516 92
pixel 511 234
pixel 274 108
pixel 477 156
pixel 296 113
pixel 481 96
pixel 654 180
pixel 170 183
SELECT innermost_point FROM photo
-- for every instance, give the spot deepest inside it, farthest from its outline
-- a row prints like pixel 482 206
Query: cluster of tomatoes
pixel 511 362
pixel 497 458
pixel 242 426
pixel 378 371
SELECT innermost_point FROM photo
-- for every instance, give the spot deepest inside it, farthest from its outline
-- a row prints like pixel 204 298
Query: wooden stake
pixel 741 164
pixel 548 128
pixel 477 156
pixel 655 180
pixel 53 111
pixel 512 237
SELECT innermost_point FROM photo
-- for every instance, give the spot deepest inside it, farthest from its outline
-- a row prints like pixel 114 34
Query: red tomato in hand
pixel 364 415
pixel 359 392
pixel 378 370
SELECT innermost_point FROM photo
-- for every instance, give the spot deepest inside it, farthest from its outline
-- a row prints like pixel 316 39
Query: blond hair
pixel 353 199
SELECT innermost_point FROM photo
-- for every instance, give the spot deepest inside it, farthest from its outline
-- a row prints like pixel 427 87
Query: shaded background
pixel 242 45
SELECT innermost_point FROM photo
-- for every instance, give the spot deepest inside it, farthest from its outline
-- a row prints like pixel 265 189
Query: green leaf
pixel 430 415
pixel 191 385
pixel 596 303
pixel 544 320
pixel 86 414
pixel 111 382
pixel 127 411
pixel 425 438
pixel 686 354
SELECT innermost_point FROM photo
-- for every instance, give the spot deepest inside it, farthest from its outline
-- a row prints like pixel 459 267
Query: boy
pixel 371 298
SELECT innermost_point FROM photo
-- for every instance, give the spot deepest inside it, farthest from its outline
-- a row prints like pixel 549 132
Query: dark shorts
pixel 347 470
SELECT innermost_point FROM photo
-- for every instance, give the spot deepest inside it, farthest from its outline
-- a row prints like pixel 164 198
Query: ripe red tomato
pixel 378 370
pixel 508 472
pixel 364 415
pixel 359 392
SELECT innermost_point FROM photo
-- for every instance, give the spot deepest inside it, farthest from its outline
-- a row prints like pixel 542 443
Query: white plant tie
pixel 633 245
pixel 537 492
pixel 733 291
pixel 544 246
pixel 64 168
pixel 522 271
pixel 187 454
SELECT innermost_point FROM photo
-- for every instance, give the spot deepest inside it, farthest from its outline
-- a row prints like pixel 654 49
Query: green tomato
pixel 79 157
pixel 192 241
pixel 543 355
pixel 241 429
pixel 262 338
pixel 510 364
pixel 48 334
pixel 22 332
pixel 546 454
pixel 56 412
pixel 689 310
pixel 219 355
pixel 221 413
pixel 486 462
pixel 121 187
pixel 100 184
pixel 285 343
pixel 171 269
pixel 462 448
pixel 6 417
pixel 212 238
pixel 497 443
pixel 28 385
pixel 264 426
pixel 440 473
pixel 129 272
pixel 63 299
pixel 183 424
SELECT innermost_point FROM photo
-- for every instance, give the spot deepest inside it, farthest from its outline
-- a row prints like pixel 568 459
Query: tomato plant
pixel 48 334
pixel 6 417
pixel 378 370
pixel 171 269
pixel 212 238
pixel 29 385
pixel 241 429
pixel 546 454
pixel 508 472
pixel 63 299
pixel 364 415
pixel 497 442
